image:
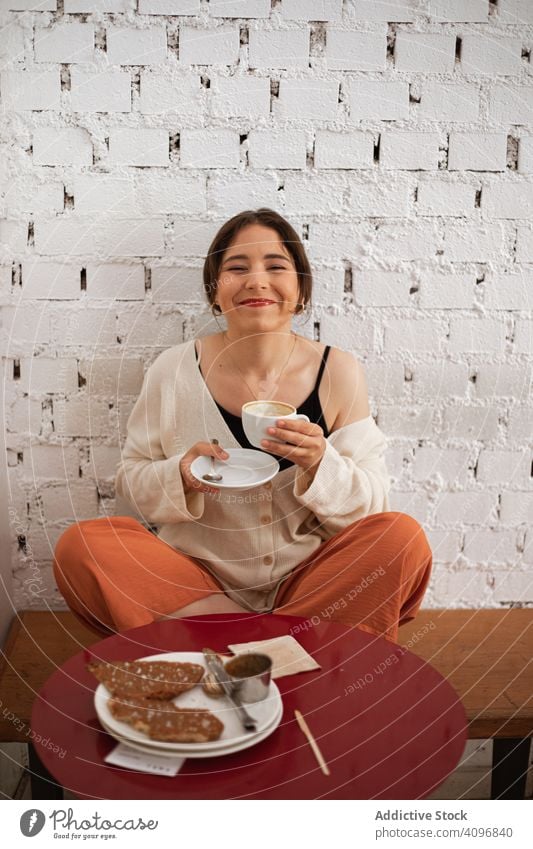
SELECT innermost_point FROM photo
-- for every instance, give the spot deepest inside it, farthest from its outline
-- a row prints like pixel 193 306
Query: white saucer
pixel 244 470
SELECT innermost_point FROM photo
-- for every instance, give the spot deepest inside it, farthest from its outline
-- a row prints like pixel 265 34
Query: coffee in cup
pixel 258 416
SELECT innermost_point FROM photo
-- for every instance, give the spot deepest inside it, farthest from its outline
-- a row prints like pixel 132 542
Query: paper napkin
pixel 288 656
pixel 123 755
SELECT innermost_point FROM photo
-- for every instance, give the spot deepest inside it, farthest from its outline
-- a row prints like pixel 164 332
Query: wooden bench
pixel 487 655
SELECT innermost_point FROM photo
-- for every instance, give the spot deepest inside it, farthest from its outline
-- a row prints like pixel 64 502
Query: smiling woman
pixel 310 541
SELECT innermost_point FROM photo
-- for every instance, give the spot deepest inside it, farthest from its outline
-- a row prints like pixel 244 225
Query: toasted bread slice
pixel 162 720
pixel 155 679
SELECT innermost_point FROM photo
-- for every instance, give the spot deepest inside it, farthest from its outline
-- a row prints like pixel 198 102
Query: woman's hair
pixel 288 236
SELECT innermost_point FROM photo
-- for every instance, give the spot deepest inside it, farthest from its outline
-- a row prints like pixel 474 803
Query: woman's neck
pixel 259 355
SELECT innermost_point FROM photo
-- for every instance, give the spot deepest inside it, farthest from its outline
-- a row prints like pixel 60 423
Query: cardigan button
pixel 265 520
pixel 268 560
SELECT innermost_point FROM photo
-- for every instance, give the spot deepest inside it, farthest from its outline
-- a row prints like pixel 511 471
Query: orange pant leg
pixel 115 575
pixel 373 575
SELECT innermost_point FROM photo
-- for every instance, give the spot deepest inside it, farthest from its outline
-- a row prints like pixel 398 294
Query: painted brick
pixel 193 237
pixel 90 6
pixel 239 8
pixel 169 7
pixel 447 291
pixel 208 46
pixel 65 235
pixel 104 91
pixel 490 545
pixel 146 329
pixel 92 326
pixel 12 43
pixel 83 416
pixel 131 238
pixel 29 5
pixel 347 240
pixel 524 244
pixel 419 240
pixel 475 335
pixel 509 291
pixel 28 194
pixel 525 155
pixel 468 588
pixel 138 147
pixel 381 198
pixel 356 51
pixel 376 100
pixel 415 504
pixel 334 330
pixel 74 502
pixel 523 340
pixel 519 425
pixel 277 149
pixel 466 508
pixel 424 335
pixel 22 91
pixel 511 104
pixel 328 285
pixel 180 93
pixel 23 326
pixel 115 282
pixel 64 43
pixel 446 545
pixel 62 146
pixel 385 10
pixel 50 280
pixel 508 200
pixel 406 422
pixel 309 195
pixel 310 10
pixel 103 461
pixel 437 197
pixel 279 48
pixel 448 102
pixel 209 149
pixel 486 55
pixel 177 285
pixel 449 465
pixel 503 379
pixel 343 150
pixel 515 12
pixel 409 151
pixel 308 99
pixel 469 243
pixel 385 380
pixel 516 508
pixel 430 52
pixel 512 586
pixel 129 46
pixel 381 289
pixel 41 375
pixel 112 377
pixel 440 380
pixel 243 97
pixel 13 235
pixel 477 152
pixel 458 10
pixel 54 462
pixel 471 423
pixel 504 467
pixel 161 192
pixel 106 193
pixel 230 195
pixel 24 416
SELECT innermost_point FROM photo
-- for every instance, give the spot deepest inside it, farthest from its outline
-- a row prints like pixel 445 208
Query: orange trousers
pixel 115 575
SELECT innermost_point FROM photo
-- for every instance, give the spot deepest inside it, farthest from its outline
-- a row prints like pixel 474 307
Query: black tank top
pixel 310 407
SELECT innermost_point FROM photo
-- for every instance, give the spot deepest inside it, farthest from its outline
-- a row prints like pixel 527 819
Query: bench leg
pixel 43 786
pixel 510 762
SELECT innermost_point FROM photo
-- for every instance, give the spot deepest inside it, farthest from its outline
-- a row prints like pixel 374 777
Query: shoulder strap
pixel 322 367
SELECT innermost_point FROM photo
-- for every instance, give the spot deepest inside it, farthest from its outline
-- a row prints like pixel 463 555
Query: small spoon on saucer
pixel 212 475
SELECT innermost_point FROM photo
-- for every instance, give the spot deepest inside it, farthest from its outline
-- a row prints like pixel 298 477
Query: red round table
pixel 389 726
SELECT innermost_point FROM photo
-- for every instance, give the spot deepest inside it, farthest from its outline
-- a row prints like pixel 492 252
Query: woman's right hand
pixel 199 449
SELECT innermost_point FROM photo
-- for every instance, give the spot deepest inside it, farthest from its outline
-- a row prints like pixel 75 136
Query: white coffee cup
pixel 258 416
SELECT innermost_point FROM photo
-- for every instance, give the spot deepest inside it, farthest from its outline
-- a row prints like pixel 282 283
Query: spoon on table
pixel 212 475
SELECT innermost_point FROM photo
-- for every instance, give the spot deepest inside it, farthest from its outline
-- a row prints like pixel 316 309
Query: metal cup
pixel 250 674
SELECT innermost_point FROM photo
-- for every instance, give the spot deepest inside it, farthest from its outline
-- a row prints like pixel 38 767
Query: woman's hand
pixel 306 443
pixel 199 449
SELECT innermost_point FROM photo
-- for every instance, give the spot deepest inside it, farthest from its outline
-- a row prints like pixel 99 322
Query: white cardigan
pixel 250 541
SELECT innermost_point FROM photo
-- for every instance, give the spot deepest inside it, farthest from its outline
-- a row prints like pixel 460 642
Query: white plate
pixel 244 470
pixel 264 712
pixel 149 749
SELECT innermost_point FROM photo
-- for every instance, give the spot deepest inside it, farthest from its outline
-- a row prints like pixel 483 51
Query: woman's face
pixel 257 283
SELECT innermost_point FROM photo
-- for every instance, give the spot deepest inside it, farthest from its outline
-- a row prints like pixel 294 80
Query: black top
pixel 310 407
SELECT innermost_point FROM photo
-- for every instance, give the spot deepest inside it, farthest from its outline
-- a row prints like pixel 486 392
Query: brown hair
pixel 288 235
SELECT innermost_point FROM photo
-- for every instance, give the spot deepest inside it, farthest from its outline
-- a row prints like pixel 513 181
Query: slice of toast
pixel 162 720
pixel 155 679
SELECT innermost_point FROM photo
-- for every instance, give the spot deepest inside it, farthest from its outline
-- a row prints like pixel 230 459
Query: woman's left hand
pixel 306 443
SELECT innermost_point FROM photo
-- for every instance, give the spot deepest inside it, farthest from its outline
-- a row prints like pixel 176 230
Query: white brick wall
pixel 397 136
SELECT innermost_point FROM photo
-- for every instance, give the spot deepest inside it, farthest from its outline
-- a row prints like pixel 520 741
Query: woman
pixel 317 540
